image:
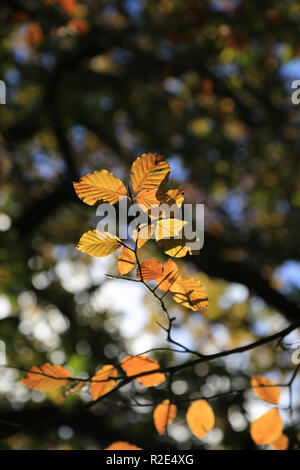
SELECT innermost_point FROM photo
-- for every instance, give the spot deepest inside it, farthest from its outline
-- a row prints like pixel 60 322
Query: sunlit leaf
pixel 126 261
pixel 189 293
pixel 265 389
pixel 46 377
pixel 149 199
pixel 282 443
pixel 177 248
pixel 149 171
pixel 134 365
pixel 267 428
pixel 101 383
pixel 142 234
pixel 163 415
pixel 169 275
pixel 200 418
pixel 122 445
pixel 168 228
pixel 150 269
pixel 99 244
pixel 100 185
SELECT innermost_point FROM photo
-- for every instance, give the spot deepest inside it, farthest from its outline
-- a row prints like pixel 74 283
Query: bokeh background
pixel 91 85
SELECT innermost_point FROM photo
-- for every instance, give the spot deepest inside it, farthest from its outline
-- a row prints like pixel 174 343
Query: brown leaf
pixel 150 269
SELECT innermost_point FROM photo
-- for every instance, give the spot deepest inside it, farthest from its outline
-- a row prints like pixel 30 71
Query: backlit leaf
pixel 142 234
pixel 164 414
pixel 47 377
pixel 126 261
pixel 150 269
pixel 101 383
pixel 265 389
pixel 149 199
pixel 149 171
pixel 189 293
pixel 177 248
pixel 200 418
pixel 100 185
pixel 169 275
pixel 168 228
pixel 282 443
pixel 267 428
pixel 99 244
pixel 122 445
pixel 134 365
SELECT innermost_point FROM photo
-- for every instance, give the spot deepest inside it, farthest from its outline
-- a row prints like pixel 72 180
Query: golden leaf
pixel 200 418
pixel 177 248
pixel 99 244
pixel 126 261
pixel 164 414
pixel 150 199
pixel 134 365
pixel 100 185
pixel 168 228
pixel 101 383
pixel 149 171
pixel 189 293
pixel 267 428
pixel 150 269
pixel 169 275
pixel 142 234
pixel 265 389
pixel 46 377
pixel 282 443
pixel 122 445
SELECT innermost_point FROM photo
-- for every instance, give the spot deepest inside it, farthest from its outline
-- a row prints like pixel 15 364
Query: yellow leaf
pixel 282 443
pixel 134 365
pixel 46 377
pixel 189 293
pixel 168 228
pixel 122 445
pixel 99 244
pixel 200 418
pixel 169 275
pixel 150 269
pixel 126 261
pixel 163 415
pixel 267 428
pixel 177 248
pixel 142 234
pixel 150 199
pixel 101 383
pixel 265 389
pixel 149 171
pixel 100 185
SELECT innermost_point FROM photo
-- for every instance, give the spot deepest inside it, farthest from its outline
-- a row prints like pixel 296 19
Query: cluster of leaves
pixel 149 175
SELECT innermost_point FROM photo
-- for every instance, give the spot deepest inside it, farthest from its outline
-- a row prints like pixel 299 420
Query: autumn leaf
pixel 168 228
pixel 101 383
pixel 47 377
pixel 99 244
pixel 164 414
pixel 122 445
pixel 267 428
pixel 149 171
pixel 150 199
pixel 134 365
pixel 169 275
pixel 150 269
pixel 282 443
pixel 100 185
pixel 34 34
pixel 177 248
pixel 200 418
pixel 189 293
pixel 265 389
pixel 142 234
pixel 126 261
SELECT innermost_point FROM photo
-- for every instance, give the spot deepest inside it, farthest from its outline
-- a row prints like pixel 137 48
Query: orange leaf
pixel 190 293
pixel 200 418
pixel 150 199
pixel 149 171
pixel 134 365
pixel 126 261
pixel 34 34
pixel 267 428
pixel 100 185
pixel 282 443
pixel 101 383
pixel 265 389
pixel 122 445
pixel 150 269
pixel 46 377
pixel 169 275
pixel 163 415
